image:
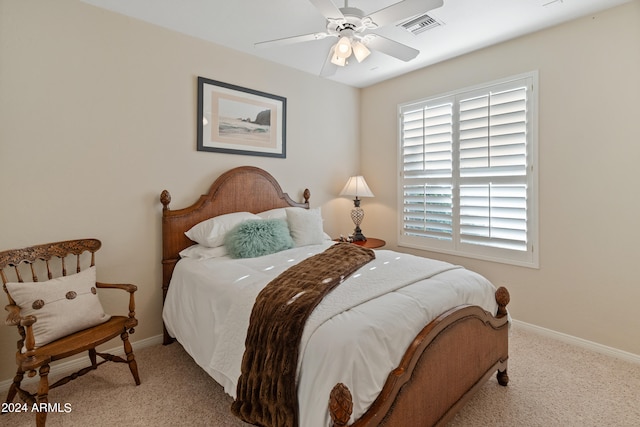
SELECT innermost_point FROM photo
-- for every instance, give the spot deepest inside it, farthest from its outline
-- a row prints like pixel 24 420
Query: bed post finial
pixel 340 405
pixel 306 195
pixel 502 298
pixel 165 199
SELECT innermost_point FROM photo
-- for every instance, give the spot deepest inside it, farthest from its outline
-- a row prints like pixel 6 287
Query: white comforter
pixel 356 336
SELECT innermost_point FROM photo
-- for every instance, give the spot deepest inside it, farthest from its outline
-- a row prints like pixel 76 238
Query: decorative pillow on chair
pixel 211 232
pixel 62 306
pixel 254 238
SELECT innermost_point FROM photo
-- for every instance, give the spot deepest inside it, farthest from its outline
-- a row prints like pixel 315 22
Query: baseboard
pixel 579 342
pixel 80 362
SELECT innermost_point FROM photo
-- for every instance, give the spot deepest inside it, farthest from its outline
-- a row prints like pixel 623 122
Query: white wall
pixel 97 117
pixel 588 284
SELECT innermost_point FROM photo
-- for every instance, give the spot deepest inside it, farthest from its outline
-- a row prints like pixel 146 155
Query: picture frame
pixel 236 120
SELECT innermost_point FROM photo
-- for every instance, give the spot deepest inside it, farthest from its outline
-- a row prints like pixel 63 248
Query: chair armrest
pixel 125 287
pixel 24 324
pixel 14 318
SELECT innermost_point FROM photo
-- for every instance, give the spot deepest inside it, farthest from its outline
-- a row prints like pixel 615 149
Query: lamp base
pixel 358 236
pixel 357 215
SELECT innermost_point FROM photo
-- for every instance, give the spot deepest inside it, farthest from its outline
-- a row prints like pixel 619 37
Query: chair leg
pixel 43 396
pixel 131 359
pixel 13 389
pixel 93 358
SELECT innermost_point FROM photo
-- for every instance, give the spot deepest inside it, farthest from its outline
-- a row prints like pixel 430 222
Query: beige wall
pixel 587 285
pixel 97 116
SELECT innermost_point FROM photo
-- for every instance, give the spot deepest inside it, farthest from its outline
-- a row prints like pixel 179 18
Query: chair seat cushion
pixel 62 306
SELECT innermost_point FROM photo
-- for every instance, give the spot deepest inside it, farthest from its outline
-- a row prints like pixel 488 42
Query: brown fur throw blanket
pixel 267 392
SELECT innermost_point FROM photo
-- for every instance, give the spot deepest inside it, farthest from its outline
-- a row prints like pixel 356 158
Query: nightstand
pixel 371 243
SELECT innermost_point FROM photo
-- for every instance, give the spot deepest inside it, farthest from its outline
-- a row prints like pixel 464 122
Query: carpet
pixel 551 384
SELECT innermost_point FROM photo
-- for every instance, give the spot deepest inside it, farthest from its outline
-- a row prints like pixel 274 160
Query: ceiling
pixel 464 26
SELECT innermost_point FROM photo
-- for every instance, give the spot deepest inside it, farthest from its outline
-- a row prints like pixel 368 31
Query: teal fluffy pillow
pixel 254 238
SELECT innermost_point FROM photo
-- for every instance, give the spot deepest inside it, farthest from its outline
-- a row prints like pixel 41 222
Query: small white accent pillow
pixel 203 252
pixel 211 232
pixel 62 306
pixel 305 226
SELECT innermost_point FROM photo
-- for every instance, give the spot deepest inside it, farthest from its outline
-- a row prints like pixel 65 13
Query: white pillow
pixel 305 226
pixel 61 306
pixel 203 252
pixel 277 213
pixel 281 213
pixel 211 232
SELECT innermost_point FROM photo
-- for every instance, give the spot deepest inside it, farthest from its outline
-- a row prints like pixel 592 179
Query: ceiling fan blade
pixel 290 40
pixel 403 10
pixel 328 68
pixel 328 9
pixel 393 48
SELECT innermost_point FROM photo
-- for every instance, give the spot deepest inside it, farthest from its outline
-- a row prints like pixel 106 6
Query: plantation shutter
pixel 466 176
pixel 427 150
pixel 493 168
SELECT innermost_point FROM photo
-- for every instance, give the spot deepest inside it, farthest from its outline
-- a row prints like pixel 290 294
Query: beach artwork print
pixel 243 123
pixel 237 120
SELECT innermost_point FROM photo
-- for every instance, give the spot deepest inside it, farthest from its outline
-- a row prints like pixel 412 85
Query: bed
pixel 425 365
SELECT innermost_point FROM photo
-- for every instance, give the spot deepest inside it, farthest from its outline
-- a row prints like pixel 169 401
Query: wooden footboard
pixel 445 365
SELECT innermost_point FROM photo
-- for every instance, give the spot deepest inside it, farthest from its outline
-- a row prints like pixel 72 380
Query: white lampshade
pixel 343 48
pixel 356 186
pixel 360 51
pixel 335 59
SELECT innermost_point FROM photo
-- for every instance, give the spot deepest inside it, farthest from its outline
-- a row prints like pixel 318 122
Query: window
pixel 468 173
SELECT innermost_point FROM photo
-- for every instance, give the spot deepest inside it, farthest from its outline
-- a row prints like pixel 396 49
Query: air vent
pixel 420 24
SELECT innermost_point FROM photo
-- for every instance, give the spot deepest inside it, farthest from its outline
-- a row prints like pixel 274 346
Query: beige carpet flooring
pixel 551 384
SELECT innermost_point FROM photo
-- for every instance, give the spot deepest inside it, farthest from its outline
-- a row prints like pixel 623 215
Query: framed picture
pixel 237 120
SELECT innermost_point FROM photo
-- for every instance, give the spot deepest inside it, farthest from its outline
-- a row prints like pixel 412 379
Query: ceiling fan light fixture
pixel 337 60
pixel 343 47
pixel 351 26
pixel 360 51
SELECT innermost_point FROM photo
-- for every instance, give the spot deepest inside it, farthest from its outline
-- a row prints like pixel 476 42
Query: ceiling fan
pixel 354 31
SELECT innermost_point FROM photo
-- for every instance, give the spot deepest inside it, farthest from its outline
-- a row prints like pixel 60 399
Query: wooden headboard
pixel 243 189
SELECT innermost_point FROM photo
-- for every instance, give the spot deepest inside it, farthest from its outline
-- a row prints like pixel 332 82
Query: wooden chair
pixel 49 259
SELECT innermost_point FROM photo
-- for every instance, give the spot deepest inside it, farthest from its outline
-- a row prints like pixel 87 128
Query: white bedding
pixel 209 302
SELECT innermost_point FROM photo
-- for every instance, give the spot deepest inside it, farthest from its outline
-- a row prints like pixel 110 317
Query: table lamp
pixel 357 187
